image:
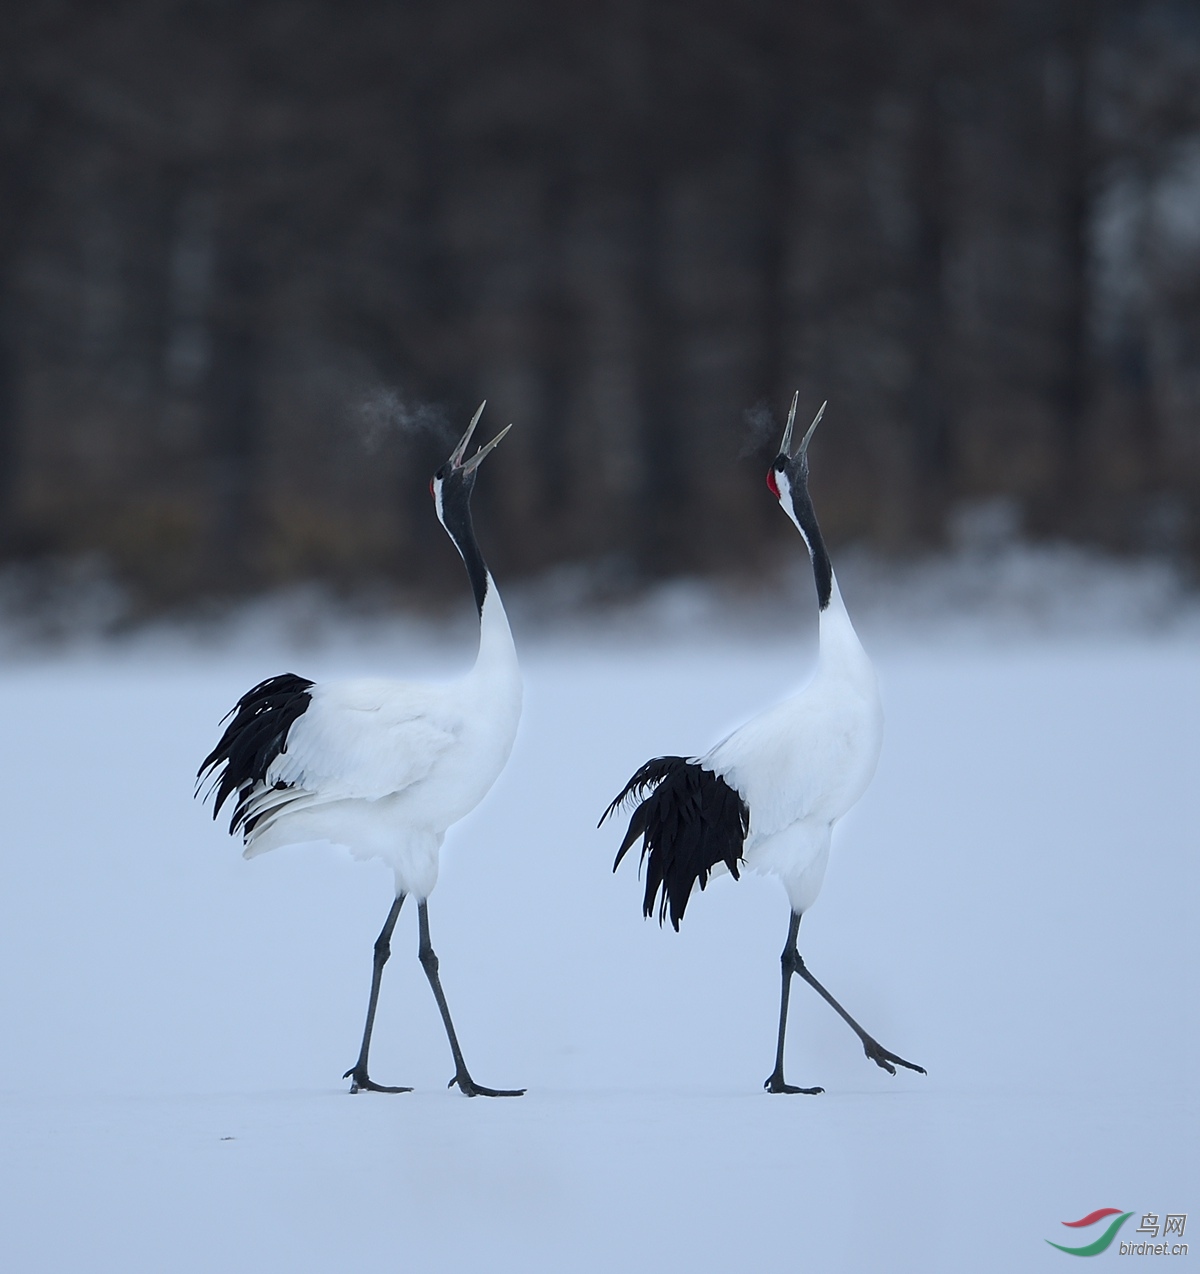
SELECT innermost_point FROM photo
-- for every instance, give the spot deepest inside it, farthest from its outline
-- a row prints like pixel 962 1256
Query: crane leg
pixel 429 962
pixel 775 1082
pixel 873 1049
pixel 357 1074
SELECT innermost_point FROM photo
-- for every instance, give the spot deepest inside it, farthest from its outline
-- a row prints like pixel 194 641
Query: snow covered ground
pixel 1012 905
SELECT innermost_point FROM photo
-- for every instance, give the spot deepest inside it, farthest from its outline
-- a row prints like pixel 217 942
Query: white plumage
pixel 386 767
pixel 382 767
pixel 804 762
pixel 769 794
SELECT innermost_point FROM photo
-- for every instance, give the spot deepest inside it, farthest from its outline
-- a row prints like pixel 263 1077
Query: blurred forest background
pixel 260 259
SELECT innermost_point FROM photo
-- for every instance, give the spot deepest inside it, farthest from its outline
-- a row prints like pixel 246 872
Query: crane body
pixel 768 796
pixel 384 768
pixel 379 766
pixel 804 762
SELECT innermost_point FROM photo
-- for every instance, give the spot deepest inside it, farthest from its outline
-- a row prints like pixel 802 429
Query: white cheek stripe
pixel 785 499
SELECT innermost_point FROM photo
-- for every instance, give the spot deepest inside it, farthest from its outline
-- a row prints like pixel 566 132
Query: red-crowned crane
pixel 382 767
pixel 769 795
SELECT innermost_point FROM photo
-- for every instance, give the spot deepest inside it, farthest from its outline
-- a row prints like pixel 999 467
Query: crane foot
pixel 470 1088
pixel 360 1081
pixel 889 1061
pixel 775 1084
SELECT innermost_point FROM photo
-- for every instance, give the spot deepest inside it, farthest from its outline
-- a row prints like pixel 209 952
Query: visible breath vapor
pixel 383 413
pixel 760 428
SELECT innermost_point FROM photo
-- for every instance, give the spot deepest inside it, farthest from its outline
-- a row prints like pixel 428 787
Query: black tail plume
pixel 690 821
pixel 257 734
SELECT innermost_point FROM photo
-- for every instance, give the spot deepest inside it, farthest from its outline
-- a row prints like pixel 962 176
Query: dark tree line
pixel 259 261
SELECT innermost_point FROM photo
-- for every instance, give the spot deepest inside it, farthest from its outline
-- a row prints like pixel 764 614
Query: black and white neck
pixel 452 489
pixel 788 479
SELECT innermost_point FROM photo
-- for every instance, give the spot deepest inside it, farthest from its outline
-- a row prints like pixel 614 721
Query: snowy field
pixel 1012 905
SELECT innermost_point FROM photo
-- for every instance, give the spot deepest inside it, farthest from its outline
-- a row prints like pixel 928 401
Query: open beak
pixel 785 447
pixel 456 456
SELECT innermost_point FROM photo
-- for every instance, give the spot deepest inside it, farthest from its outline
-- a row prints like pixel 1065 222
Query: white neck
pixel 840 648
pixel 497 652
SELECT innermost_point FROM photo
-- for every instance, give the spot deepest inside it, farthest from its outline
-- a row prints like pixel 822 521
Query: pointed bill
pixel 457 454
pixel 812 428
pixel 477 458
pixel 786 444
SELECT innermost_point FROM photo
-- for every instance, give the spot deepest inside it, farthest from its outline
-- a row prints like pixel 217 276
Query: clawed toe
pixel 775 1084
pixel 469 1088
pixel 881 1057
pixel 360 1081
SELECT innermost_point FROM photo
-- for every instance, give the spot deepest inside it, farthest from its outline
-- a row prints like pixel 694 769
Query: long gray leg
pixel 357 1074
pixel 429 962
pixel 775 1082
pixel 873 1049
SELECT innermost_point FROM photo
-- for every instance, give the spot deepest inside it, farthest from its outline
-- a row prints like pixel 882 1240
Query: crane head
pixel 456 478
pixel 789 473
pixel 788 480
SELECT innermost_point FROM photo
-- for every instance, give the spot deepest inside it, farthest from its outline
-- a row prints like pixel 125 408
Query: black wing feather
pixel 688 820
pixel 257 734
